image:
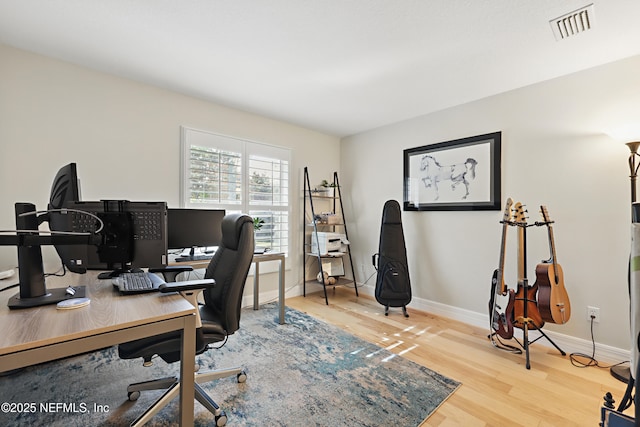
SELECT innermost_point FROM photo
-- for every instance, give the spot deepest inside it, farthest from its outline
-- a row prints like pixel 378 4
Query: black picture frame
pixel 458 175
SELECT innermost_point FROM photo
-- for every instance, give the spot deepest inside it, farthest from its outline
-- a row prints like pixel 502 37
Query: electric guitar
pixel 498 321
pixel 524 293
pixel 553 301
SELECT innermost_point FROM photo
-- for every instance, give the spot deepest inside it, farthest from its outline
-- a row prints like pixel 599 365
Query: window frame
pixel 246 148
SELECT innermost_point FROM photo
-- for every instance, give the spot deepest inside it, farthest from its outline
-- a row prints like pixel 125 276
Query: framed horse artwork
pixel 463 174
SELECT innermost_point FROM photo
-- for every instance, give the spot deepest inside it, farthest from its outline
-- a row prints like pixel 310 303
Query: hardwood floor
pixel 497 389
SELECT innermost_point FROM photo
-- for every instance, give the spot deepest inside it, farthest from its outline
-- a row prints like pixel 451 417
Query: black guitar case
pixel 393 287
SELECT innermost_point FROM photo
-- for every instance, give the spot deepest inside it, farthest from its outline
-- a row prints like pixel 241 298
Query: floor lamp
pixel 621 372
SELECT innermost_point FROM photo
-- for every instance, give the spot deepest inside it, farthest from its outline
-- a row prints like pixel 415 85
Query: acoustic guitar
pixel 499 322
pixel 553 300
pixel 524 293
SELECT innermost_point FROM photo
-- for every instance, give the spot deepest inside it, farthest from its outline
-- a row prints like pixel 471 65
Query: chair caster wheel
pixel 133 395
pixel 221 419
pixel 241 377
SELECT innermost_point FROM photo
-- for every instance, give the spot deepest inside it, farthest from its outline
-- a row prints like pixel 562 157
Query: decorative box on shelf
pixel 333 219
pixel 328 218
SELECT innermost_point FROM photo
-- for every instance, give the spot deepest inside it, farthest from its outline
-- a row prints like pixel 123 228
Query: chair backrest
pixel 229 267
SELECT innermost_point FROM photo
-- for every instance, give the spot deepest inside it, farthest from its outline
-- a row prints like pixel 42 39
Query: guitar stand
pixel 525 321
pixel 543 335
pixel 527 324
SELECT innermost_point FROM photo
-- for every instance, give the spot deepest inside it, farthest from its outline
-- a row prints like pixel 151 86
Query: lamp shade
pixel 625 133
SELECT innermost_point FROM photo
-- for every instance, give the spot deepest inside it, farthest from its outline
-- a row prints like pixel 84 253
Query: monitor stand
pixel 33 288
pixel 51 296
pixel 192 253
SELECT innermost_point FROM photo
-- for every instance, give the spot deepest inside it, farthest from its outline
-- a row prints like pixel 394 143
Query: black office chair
pixel 220 317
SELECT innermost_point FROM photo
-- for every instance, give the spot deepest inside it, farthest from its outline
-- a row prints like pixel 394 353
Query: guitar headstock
pixel 507 210
pixel 545 215
pixel 519 213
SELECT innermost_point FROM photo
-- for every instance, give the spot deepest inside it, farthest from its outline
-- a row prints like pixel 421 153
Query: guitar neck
pixel 521 255
pixel 552 250
pixel 521 222
pixel 552 246
pixel 502 287
pixel 503 245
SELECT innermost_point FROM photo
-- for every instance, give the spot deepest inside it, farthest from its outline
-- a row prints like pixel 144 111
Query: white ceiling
pixel 337 66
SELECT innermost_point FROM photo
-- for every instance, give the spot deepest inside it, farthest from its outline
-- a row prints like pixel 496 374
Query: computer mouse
pixel 6 274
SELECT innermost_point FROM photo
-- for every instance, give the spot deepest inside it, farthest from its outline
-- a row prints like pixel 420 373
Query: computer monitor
pixel 64 190
pixel 134 235
pixel 194 228
pixel 65 187
pixel 116 247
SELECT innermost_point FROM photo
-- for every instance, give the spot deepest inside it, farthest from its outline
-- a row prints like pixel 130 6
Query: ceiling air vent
pixel 573 23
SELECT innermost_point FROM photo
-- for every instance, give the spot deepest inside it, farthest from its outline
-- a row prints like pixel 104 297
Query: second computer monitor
pixel 141 225
pixel 190 228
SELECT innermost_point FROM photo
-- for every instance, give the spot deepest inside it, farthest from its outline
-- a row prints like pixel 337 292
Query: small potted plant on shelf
pixel 329 187
pixel 257 223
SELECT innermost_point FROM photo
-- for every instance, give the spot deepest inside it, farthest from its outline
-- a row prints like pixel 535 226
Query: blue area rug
pixel 303 373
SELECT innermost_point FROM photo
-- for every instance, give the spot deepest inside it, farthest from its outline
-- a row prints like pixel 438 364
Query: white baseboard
pixel 569 344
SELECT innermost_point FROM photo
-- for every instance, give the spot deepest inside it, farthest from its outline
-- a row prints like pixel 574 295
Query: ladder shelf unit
pixel 324 220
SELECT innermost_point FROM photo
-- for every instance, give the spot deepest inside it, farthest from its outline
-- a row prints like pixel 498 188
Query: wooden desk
pixel 40 334
pixel 257 259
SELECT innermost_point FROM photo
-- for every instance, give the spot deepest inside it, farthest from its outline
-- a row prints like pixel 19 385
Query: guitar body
pixel 500 322
pixel 528 292
pixel 553 300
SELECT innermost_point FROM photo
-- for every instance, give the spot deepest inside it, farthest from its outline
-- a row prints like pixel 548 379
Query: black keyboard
pixel 137 282
pixel 193 258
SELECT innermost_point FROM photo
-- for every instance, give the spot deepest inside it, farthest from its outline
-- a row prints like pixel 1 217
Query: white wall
pixel 554 153
pixel 124 137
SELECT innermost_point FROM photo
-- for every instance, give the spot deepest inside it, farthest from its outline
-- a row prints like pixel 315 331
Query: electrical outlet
pixel 593 312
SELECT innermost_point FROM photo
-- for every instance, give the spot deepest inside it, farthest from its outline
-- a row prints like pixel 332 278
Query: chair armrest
pixel 188 285
pixel 189 290
pixel 170 272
